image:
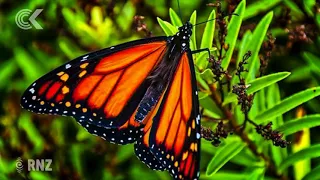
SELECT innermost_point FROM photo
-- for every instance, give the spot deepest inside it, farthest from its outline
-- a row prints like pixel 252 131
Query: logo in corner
pixel 19 165
pixel 27 24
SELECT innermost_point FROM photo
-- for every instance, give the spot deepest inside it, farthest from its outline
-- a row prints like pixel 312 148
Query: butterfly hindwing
pixel 121 136
pixel 174 137
pixel 146 156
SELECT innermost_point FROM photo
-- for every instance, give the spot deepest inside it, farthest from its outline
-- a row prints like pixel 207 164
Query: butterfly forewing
pixel 105 86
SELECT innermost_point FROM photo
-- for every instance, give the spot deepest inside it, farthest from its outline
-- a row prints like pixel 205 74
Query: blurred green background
pixel 75 27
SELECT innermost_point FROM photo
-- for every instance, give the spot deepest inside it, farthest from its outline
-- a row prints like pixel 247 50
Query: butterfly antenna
pixel 179 9
pixel 214 19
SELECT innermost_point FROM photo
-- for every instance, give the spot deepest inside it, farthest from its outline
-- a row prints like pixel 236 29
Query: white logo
pixel 19 165
pixel 34 165
pixel 25 24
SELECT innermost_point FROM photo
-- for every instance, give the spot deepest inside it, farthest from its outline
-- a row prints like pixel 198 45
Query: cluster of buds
pixel 269 134
pixel 267 48
pixel 217 69
pixel 141 26
pixel 240 89
pixel 300 33
pixel 244 100
pixel 214 137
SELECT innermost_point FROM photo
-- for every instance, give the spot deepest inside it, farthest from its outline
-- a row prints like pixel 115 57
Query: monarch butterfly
pixel 142 92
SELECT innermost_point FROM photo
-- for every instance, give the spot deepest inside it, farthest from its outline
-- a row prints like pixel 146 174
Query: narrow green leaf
pixel 193 41
pixel 257 173
pixel 27 64
pixel 308 6
pixel 233 31
pixel 245 43
pixel 257 39
pixel 313 174
pixel 273 98
pixel 201 81
pixel 257 84
pixel 206 41
pixel 293 126
pixel 301 73
pixel 308 153
pixel 168 28
pixel 223 155
pixel 202 60
pixel 96 16
pixel 32 133
pixel 208 32
pixel 207 75
pixel 38 175
pixel 124 153
pixel 287 104
pixel 296 11
pixel 226 175
pixel 314 61
pixel 8 68
pixel 207 103
pixel 259 6
pixel 175 20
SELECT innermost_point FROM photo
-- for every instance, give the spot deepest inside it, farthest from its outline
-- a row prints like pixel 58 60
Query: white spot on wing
pixel 198 118
pixel 84 58
pixel 198 136
pixel 68 66
pixel 32 90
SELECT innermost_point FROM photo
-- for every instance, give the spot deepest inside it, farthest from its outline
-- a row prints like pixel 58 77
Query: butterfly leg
pixel 201 50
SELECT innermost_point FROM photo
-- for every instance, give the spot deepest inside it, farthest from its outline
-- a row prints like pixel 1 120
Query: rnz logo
pixel 39 165
pixel 34 165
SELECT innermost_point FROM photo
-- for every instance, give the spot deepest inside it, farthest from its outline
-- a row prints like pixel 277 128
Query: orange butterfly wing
pixel 173 131
pixel 103 87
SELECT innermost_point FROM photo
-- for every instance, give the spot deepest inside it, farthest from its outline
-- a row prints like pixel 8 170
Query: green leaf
pixel 223 155
pixel 257 174
pixel 202 60
pixel 32 132
pixel 287 104
pixel 208 32
pixel 257 39
pixel 314 61
pixel 299 74
pixel 193 41
pixel 273 98
pixel 257 84
pixel 308 153
pixel 226 175
pixel 207 75
pixel 38 175
pixel 27 64
pixel 259 6
pixel 207 103
pixel 201 81
pixel 233 31
pixel 124 153
pixel 96 16
pixel 175 20
pixel 8 69
pixel 296 11
pixel 293 126
pixel 206 41
pixel 168 28
pixel 313 174
pixel 308 6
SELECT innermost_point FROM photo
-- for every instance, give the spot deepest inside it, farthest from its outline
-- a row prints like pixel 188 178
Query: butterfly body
pixel 141 92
